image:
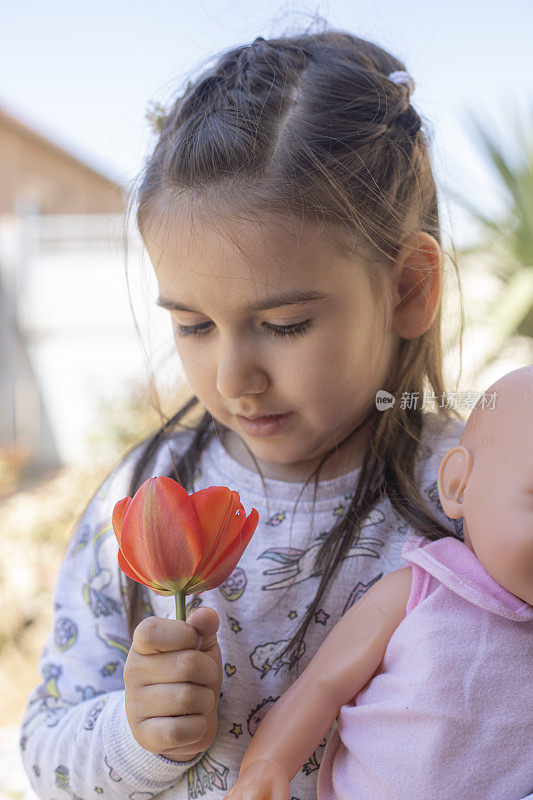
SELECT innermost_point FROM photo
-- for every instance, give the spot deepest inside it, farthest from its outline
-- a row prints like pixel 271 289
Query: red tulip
pixel 181 544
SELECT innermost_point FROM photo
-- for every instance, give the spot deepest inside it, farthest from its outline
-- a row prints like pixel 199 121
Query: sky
pixel 83 73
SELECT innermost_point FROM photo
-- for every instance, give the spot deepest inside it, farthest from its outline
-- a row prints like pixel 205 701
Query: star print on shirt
pixel 236 730
pixel 234 624
pixel 321 617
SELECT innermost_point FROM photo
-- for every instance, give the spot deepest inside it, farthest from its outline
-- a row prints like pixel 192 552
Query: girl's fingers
pixel 158 734
pixel 159 635
pixel 206 621
pixel 188 666
pixel 172 700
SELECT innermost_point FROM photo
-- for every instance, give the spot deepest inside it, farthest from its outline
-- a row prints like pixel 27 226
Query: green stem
pixel 180 605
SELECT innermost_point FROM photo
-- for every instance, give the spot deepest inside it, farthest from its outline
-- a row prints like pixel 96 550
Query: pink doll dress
pixel 448 714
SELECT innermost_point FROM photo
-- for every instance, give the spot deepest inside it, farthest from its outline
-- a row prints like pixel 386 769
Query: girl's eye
pixel 274 330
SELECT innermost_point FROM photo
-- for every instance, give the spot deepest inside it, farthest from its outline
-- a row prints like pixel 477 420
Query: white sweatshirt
pixel 75 737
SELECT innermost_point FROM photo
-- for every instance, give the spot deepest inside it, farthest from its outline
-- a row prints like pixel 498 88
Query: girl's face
pixel 248 348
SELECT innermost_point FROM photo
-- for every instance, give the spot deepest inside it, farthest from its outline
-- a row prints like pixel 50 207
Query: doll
pixel 430 671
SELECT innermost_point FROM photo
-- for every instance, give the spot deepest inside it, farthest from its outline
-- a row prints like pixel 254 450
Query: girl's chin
pixel 267 450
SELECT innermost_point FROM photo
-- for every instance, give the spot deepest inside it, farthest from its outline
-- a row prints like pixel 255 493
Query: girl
pixel 290 213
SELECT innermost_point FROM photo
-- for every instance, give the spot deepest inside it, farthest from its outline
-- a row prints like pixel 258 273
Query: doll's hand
pixel 261 780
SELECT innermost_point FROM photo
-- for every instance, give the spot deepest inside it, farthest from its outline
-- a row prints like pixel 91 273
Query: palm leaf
pixel 510 237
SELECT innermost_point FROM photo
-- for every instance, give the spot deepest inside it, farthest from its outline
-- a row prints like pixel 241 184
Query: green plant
pixel 509 237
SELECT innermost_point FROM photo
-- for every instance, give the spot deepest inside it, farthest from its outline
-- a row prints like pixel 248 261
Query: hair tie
pixel 401 76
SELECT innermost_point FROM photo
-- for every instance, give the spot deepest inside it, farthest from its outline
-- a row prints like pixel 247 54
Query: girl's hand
pixel 172 680
pixel 261 780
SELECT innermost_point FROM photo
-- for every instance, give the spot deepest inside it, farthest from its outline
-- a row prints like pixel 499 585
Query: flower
pixel 179 544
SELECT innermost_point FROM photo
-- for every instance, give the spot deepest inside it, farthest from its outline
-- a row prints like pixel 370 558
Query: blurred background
pixel 83 348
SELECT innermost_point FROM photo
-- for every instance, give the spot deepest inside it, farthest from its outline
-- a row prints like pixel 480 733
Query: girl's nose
pixel 240 372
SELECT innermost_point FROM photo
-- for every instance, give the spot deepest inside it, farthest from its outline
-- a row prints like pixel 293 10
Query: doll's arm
pixel 341 667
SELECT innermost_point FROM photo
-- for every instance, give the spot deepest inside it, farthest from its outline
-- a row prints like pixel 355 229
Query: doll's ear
pixel 454 470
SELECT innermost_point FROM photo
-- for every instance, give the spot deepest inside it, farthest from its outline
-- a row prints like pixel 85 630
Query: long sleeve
pixel 74 733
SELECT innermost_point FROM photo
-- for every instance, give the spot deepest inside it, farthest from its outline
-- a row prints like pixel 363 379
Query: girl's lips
pixel 265 426
pixel 253 417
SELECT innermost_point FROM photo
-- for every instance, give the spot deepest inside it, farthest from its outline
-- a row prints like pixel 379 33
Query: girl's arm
pixel 74 734
pixel 342 666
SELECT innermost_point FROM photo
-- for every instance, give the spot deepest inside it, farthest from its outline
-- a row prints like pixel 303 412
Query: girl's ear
pixel 454 470
pixel 416 285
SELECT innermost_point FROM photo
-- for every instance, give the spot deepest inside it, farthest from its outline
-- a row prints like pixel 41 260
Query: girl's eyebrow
pixel 275 301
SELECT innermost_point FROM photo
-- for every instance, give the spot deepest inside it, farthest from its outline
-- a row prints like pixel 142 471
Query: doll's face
pixel 498 496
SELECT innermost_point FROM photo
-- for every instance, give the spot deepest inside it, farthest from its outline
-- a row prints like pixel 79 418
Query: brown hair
pixel 310 125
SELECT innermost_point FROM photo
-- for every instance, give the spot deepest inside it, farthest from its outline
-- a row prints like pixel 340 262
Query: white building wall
pixel 66 280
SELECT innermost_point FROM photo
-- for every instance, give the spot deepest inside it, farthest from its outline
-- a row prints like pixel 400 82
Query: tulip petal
pixel 227 559
pixel 132 573
pixel 221 516
pixel 129 570
pixel 161 533
pixel 119 512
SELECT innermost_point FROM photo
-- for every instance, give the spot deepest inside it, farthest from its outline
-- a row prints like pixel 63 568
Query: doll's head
pixel 488 480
